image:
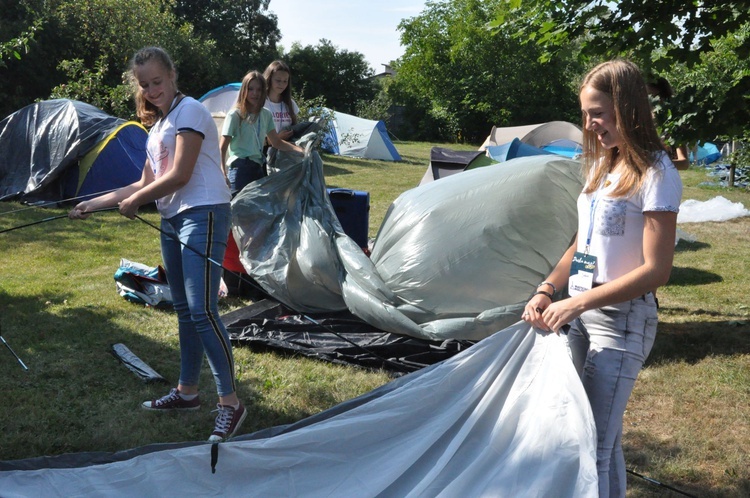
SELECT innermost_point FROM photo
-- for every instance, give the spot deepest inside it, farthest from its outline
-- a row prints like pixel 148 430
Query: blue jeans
pixel 243 171
pixel 194 283
pixel 609 346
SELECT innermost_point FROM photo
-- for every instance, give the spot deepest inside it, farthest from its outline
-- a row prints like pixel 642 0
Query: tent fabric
pixel 347 136
pixel 537 135
pixel 220 101
pixel 445 162
pixel 507 417
pixel 422 280
pixel 706 153
pixel 116 161
pixel 41 144
pixel 358 137
pixel 514 148
pixel 334 337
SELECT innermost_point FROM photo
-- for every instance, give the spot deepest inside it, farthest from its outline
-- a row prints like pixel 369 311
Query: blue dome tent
pixel 61 149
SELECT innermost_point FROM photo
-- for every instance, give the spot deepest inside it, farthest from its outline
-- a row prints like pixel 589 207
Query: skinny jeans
pixel 609 346
pixel 188 239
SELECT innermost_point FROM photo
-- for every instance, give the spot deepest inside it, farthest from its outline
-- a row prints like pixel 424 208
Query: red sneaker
pixel 172 401
pixel 228 421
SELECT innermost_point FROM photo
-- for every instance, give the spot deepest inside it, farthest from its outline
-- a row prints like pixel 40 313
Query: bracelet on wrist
pixel 544 293
pixel 554 289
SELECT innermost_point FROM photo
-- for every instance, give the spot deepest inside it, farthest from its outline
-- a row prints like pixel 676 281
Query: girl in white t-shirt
pixel 623 252
pixel 279 100
pixel 183 175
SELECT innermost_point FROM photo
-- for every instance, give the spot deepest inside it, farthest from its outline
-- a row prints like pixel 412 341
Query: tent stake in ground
pixel 14 353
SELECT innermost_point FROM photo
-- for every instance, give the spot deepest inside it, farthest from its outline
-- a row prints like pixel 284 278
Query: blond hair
pixel 147 112
pixel 242 106
pixel 622 81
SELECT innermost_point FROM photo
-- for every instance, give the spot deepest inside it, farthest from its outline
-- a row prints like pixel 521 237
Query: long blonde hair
pixel 286 96
pixel 242 105
pixel 147 112
pixel 622 81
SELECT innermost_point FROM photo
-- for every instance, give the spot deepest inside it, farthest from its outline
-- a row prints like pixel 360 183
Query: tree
pixel 663 36
pixel 466 80
pixel 341 77
pixel 245 32
pixel 91 41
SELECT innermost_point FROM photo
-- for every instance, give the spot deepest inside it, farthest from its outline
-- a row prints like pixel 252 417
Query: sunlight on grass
pixel 687 424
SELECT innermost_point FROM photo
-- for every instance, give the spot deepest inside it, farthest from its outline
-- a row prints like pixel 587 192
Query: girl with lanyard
pixel 627 216
pixel 183 175
pixel 245 129
pixel 279 100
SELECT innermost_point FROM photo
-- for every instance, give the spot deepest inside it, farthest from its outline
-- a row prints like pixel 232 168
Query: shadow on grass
pixel 77 397
pixel 694 341
pixel 687 246
pixel 681 276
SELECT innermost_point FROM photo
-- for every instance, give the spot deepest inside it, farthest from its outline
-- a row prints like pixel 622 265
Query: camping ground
pixel 687 424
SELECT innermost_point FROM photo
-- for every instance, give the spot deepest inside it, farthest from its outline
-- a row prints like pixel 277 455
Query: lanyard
pixel 592 213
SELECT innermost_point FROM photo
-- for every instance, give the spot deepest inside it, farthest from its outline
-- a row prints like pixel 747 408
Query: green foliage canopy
pixel 467 80
pixel 341 77
pixel 701 46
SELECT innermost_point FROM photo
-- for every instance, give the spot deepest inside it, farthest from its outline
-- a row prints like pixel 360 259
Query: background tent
pixel 60 149
pixel 445 162
pixel 514 148
pixel 358 137
pixel 537 135
pixel 220 101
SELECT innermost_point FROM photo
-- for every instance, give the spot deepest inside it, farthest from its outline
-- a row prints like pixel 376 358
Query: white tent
pixel 537 135
pixel 220 101
pixel 358 137
pixel 348 135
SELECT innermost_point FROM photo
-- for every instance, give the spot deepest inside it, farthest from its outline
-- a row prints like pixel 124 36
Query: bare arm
pixel 188 146
pixel 658 252
pixel 283 145
pixel 224 148
pixel 558 278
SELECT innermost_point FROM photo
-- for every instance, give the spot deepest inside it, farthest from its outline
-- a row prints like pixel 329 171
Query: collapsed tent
pixel 353 136
pixel 335 337
pixel 62 149
pixel 453 259
pixel 508 417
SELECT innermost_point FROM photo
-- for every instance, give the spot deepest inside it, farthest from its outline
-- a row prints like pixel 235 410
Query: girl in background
pixel 279 100
pixel 627 216
pixel 245 130
pixel 183 175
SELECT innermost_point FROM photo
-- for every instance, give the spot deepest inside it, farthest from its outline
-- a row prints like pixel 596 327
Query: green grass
pixel 687 424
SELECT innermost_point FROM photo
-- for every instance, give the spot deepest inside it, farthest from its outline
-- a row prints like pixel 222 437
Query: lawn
pixel 687 424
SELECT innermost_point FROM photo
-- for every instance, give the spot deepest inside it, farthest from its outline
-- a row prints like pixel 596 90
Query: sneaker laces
pixel 223 419
pixel 167 398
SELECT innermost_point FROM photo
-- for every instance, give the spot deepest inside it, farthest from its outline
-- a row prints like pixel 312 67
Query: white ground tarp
pixel 506 418
pixel 717 209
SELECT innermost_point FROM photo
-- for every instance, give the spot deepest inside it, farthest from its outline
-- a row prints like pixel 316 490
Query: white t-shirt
pixel 617 228
pixel 281 116
pixel 207 185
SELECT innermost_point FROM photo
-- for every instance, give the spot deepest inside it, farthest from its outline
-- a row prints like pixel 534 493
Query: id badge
pixel 581 273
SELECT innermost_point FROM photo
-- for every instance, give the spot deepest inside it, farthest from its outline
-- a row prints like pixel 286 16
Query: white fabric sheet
pixel 506 418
